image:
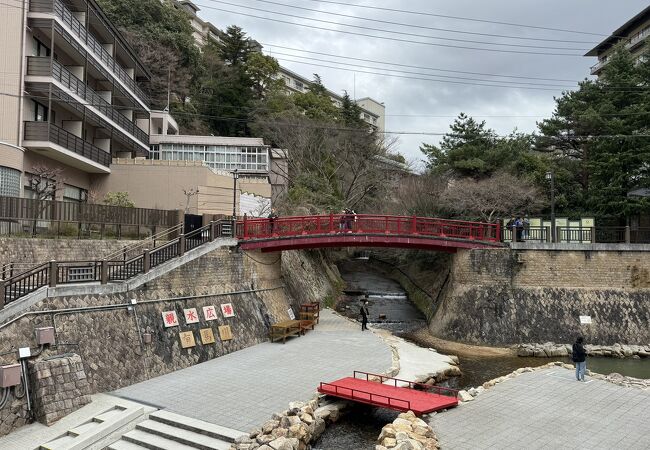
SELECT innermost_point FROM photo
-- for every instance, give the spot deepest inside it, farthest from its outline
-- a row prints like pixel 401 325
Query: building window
pixel 299 85
pixel 40 49
pixel 9 182
pixel 217 157
pixel 74 194
pixel 40 112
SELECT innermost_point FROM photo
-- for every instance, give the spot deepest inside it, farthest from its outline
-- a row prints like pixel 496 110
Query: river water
pixel 391 309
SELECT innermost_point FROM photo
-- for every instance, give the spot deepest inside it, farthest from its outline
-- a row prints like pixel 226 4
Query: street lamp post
pixel 235 176
pixel 551 177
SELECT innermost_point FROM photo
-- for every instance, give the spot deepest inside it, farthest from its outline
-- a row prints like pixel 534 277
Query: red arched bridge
pixel 360 230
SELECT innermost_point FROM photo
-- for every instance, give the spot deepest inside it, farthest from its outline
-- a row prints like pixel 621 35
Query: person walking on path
pixel 580 358
pixel 364 314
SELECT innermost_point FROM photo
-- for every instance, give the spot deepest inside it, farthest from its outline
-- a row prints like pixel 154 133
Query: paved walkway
pixel 548 409
pixel 241 390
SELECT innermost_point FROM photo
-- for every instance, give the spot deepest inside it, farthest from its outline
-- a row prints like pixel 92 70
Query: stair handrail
pixel 10 266
pixel 141 244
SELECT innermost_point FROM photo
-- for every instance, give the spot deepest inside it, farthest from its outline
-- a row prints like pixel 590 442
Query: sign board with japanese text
pixel 191 316
pixel 207 336
pixel 227 310
pixel 585 320
pixel 170 319
pixel 187 339
pixel 210 313
pixel 225 333
pixel 292 315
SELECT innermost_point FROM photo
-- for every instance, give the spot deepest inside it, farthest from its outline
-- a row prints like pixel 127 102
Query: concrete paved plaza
pixel 241 390
pixel 549 409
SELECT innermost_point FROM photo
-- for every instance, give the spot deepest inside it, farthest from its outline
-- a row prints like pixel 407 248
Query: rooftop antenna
pixel 354 87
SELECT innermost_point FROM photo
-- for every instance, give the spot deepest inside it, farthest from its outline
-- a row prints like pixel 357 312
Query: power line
pixel 401 33
pixel 314 27
pixel 447 30
pixel 469 19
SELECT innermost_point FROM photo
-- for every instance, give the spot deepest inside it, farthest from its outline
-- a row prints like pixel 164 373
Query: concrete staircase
pixel 92 432
pixel 166 431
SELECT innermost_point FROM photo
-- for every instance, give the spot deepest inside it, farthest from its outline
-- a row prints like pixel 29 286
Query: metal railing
pixel 150 243
pixel 441 390
pixel 44 131
pixel 103 271
pixel 367 224
pixel 97 49
pixel 578 235
pixel 40 66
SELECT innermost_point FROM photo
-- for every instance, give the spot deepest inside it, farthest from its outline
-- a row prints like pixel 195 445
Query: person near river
pixel 579 357
pixel 272 218
pixel 364 313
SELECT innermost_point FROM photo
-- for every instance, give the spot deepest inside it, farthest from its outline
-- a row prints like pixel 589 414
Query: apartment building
pixel 634 32
pixel 373 112
pixel 71 95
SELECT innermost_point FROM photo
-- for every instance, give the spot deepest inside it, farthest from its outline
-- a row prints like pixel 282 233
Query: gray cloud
pixel 417 97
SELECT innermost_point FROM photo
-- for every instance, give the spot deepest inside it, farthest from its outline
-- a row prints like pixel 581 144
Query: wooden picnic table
pixel 282 330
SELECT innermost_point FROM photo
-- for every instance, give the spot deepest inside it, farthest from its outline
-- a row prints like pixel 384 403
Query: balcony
pixel 37 133
pixel 596 67
pixel 40 66
pixel 638 38
pixel 99 52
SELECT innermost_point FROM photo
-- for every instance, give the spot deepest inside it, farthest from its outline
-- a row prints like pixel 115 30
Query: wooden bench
pixel 312 308
pixel 283 330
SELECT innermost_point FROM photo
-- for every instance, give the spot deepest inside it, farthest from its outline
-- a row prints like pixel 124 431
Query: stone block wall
pixel 43 250
pixel 110 340
pixel 503 297
pixel 59 387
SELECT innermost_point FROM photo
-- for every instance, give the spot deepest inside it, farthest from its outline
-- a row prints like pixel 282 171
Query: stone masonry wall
pixel 43 250
pixel 59 387
pixel 503 297
pixel 111 343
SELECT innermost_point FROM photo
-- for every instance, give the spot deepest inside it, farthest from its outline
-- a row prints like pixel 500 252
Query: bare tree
pixel 502 195
pixel 189 193
pixel 44 182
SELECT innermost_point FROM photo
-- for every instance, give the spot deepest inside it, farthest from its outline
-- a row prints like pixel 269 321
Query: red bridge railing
pixel 367 224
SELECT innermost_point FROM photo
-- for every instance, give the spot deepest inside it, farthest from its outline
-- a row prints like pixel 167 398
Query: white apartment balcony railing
pixel 638 38
pixel 596 67
pixel 97 49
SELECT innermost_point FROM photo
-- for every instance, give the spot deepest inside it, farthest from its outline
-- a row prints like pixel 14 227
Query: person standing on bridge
pixel 364 313
pixel 579 357
pixel 272 217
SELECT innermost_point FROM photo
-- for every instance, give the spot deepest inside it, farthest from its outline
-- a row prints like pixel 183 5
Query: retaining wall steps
pixel 165 430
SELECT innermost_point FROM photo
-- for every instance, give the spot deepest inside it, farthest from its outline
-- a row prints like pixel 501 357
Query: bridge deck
pixel 387 396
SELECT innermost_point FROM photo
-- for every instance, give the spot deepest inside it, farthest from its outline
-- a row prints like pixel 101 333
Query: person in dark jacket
pixel 364 314
pixel 272 218
pixel 580 358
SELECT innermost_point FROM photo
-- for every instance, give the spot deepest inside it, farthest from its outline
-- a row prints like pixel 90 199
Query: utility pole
pixel 551 177
pixel 235 176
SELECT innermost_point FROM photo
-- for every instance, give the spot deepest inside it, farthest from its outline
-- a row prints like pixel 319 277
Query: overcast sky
pixel 409 101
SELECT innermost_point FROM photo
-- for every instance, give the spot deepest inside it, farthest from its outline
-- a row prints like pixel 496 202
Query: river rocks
pixel 294 429
pixel 550 350
pixel 465 396
pixel 439 377
pixel 407 432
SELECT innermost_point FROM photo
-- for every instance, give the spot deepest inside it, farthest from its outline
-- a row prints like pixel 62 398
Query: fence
pixel 31 217
pixel 579 235
pixel 55 273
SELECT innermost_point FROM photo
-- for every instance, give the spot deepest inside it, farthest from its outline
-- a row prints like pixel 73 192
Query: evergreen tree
pixel 234 47
pixel 351 112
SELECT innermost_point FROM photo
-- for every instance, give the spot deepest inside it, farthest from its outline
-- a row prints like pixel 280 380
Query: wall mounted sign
pixel 187 339
pixel 207 336
pixel 225 333
pixel 585 320
pixel 227 310
pixel 210 313
pixel 292 315
pixel 170 319
pixel 191 316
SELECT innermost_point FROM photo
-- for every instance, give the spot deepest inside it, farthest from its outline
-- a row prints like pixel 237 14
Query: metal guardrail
pixel 578 235
pixel 104 271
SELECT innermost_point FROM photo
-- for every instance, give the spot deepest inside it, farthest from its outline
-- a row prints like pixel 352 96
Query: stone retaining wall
pixel 59 387
pixel 407 432
pixel 549 350
pixel 505 297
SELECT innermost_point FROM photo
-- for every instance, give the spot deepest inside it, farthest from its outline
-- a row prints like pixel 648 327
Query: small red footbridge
pixel 391 393
pixel 348 230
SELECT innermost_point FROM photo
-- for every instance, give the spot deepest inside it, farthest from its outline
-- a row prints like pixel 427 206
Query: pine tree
pixel 234 47
pixel 351 112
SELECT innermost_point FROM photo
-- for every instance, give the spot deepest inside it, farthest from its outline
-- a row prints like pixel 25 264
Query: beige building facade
pixel 70 96
pixel 634 32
